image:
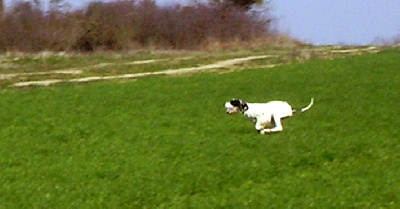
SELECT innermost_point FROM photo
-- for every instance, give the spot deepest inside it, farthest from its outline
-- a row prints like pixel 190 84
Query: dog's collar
pixel 244 107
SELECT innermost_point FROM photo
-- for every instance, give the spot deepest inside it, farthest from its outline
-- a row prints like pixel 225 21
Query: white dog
pixel 266 116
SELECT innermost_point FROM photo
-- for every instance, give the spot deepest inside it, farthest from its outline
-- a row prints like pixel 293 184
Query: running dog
pixel 266 116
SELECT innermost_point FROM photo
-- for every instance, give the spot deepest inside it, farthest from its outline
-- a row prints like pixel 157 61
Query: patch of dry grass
pixel 34 69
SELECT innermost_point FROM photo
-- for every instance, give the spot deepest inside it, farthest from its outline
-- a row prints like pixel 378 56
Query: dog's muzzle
pixel 229 108
pixel 231 111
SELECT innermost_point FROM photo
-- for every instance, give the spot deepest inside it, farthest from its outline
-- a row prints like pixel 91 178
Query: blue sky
pixel 321 22
pixel 338 21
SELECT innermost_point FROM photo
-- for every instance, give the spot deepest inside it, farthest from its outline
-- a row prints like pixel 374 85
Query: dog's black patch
pixel 240 104
pixel 235 102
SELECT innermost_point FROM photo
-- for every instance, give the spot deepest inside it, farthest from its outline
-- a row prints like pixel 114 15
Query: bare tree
pixel 244 4
pixel 59 6
pixel 1 8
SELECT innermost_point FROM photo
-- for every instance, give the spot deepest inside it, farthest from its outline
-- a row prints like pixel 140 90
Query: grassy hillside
pixel 167 142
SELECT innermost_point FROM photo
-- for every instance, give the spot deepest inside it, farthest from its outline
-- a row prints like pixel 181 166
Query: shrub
pixel 19 28
pixel 123 25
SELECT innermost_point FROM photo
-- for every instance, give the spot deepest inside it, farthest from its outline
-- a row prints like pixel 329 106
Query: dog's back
pixel 278 108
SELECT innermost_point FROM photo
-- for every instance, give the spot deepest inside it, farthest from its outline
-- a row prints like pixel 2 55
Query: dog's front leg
pixel 278 126
pixel 260 127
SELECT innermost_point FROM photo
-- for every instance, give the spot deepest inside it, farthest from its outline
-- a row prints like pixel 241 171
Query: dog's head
pixel 236 105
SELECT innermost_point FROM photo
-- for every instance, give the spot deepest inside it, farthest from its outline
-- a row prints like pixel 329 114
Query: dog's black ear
pixel 235 102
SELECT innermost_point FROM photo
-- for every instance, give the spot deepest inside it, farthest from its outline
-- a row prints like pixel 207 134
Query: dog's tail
pixel 305 108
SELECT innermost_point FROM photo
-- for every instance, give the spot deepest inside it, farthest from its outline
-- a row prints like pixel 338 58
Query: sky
pixel 351 22
pixel 326 22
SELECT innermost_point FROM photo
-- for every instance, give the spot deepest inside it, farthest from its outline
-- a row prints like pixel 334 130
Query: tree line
pixel 126 25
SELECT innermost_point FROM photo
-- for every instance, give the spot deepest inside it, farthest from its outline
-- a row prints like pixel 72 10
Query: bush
pixel 19 28
pixel 126 25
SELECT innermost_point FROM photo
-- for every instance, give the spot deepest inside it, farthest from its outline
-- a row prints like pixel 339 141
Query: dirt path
pixel 13 75
pixel 74 71
pixel 218 65
pixel 323 52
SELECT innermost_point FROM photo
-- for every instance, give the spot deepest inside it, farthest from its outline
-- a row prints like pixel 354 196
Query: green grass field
pixel 166 142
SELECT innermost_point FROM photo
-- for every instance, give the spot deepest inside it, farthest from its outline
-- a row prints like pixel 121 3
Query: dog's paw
pixel 265 131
